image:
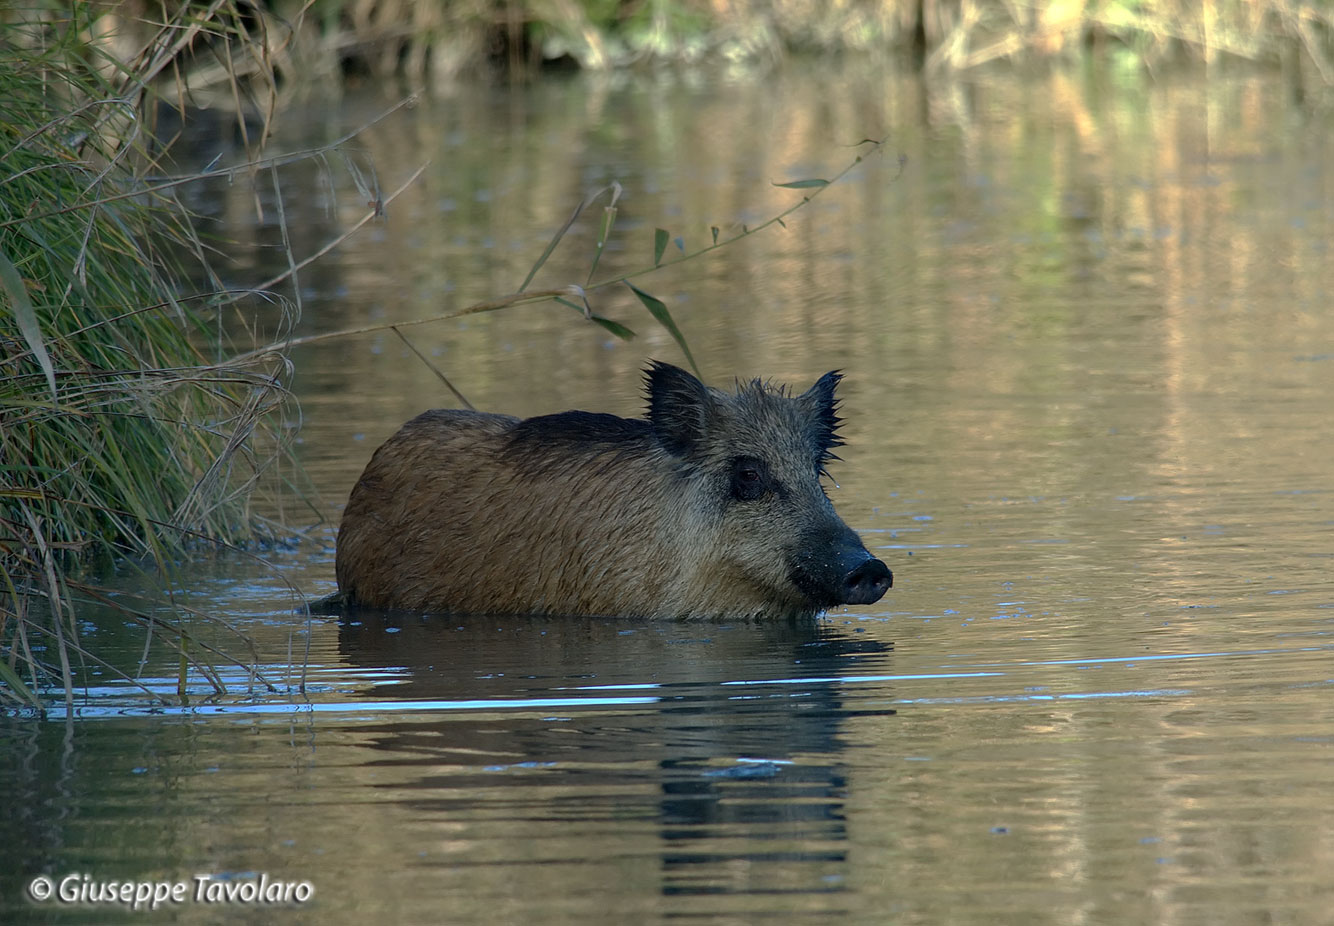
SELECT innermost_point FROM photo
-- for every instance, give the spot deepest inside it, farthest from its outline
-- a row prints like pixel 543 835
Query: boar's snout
pixel 844 574
pixel 867 583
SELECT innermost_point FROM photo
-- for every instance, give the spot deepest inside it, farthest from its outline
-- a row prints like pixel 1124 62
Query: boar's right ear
pixel 678 407
pixel 822 406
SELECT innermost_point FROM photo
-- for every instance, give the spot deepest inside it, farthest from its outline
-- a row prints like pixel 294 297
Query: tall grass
pixel 125 433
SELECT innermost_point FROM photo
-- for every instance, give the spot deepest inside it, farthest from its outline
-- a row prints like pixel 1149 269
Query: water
pixel 1090 359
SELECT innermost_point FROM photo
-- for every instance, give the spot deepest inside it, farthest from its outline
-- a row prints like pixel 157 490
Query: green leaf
pixel 12 282
pixel 551 245
pixel 11 678
pixel 614 188
pixel 608 219
pixel 582 310
pixel 660 238
pixel 813 183
pixel 616 328
pixel 659 311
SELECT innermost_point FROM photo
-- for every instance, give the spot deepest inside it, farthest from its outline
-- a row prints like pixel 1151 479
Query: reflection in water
pixel 740 738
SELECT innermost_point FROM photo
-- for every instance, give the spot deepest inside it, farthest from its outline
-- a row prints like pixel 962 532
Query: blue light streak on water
pixel 369 709
pixel 1070 696
pixel 1163 657
pixel 803 680
pixel 857 679
pixel 94 712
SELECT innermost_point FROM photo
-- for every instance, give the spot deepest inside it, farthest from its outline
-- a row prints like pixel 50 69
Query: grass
pixel 130 432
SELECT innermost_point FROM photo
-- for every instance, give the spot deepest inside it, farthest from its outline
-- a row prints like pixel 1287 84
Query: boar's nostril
pixel 867 583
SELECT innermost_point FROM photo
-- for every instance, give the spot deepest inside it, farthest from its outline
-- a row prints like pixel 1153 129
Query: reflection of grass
pixel 431 39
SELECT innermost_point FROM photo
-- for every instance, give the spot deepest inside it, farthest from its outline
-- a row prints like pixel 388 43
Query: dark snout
pixel 867 583
pixel 841 572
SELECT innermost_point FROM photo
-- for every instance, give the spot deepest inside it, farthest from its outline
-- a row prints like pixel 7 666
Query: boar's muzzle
pixel 844 574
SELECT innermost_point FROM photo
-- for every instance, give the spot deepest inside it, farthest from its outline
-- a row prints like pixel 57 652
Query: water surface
pixel 1089 361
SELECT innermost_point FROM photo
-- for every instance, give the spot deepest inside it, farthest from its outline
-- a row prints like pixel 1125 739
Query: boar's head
pixel 752 463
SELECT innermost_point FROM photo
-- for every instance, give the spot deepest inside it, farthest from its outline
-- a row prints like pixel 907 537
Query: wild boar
pixel 711 506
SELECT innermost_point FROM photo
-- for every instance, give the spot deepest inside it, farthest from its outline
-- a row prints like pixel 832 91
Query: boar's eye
pixel 750 479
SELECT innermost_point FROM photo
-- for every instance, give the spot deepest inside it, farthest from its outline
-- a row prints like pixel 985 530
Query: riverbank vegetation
pixel 130 431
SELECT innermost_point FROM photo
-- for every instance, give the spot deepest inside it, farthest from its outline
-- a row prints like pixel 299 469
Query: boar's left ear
pixel 822 406
pixel 679 407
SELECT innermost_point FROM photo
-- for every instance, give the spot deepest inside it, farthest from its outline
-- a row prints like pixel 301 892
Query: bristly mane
pixel 822 430
pixel 549 439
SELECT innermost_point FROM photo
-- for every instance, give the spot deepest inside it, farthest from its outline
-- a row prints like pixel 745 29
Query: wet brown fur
pixel 592 514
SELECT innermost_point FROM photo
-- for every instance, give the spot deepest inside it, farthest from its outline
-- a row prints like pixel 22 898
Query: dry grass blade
pixel 613 188
pixel 463 400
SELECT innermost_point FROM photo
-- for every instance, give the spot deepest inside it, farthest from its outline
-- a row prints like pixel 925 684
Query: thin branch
pixel 746 231
pixel 504 302
pixel 377 211
pixel 434 369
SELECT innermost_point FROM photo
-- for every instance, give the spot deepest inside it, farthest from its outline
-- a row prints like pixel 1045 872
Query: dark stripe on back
pixel 553 440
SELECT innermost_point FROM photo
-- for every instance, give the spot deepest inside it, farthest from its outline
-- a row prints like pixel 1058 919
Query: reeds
pixel 125 433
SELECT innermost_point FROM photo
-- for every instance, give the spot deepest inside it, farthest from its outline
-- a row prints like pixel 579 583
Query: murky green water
pixel 1090 365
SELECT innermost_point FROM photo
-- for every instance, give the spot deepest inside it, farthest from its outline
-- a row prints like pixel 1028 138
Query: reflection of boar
pixel 712 507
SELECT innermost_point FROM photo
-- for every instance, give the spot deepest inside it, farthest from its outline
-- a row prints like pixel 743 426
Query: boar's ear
pixel 678 407
pixel 822 407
